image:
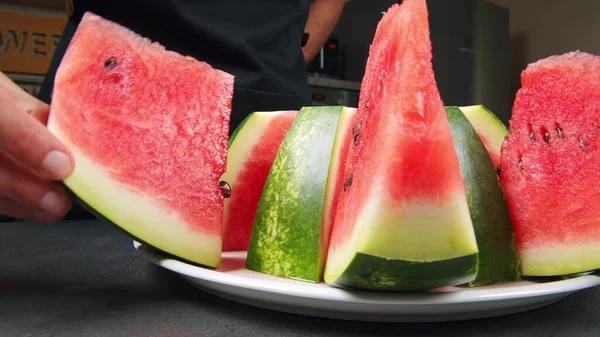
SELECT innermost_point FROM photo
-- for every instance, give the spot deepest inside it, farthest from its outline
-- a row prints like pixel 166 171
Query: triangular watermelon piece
pixel 403 221
pixel 252 149
pixel 148 128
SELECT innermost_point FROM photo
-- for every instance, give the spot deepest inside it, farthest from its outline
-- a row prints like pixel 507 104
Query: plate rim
pixel 285 287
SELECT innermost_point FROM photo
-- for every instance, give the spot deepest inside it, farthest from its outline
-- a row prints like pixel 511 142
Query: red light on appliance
pixel 318 97
pixel 332 46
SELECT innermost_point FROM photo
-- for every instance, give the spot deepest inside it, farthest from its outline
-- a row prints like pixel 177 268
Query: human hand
pixel 32 160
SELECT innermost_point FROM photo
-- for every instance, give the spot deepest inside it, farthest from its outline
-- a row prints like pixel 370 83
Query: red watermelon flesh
pixel 250 156
pixel 402 170
pixel 149 131
pixel 550 165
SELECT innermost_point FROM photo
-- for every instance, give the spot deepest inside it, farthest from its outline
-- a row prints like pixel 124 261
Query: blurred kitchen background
pixel 479 46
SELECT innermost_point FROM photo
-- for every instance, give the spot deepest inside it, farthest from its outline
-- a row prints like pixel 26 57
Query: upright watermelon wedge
pixel 489 128
pixel 292 224
pixel 498 256
pixel 252 149
pixel 550 165
pixel 403 223
pixel 148 128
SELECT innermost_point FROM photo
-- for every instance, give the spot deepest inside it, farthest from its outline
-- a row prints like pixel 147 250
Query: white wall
pixel 540 28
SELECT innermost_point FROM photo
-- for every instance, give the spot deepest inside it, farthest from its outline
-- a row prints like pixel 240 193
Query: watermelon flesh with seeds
pixel 550 165
pixel 252 149
pixel 149 129
pixel 402 222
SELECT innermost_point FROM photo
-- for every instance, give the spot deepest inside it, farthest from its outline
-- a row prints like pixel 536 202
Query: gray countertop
pixel 83 278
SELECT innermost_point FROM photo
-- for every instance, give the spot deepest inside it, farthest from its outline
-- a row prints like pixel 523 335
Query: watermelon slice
pixel 403 221
pixel 498 256
pixel 550 165
pixel 148 129
pixel 293 220
pixel 252 149
pixel 490 129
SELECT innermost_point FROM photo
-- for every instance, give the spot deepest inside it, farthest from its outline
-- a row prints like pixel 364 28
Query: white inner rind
pixel 560 259
pixel 138 214
pixel 241 149
pixel 486 123
pixel 418 230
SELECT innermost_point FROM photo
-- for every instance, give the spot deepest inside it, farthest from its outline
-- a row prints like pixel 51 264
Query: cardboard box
pixel 28 38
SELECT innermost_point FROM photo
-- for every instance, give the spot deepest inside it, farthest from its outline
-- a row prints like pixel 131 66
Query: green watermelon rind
pixel 498 255
pixel 286 236
pixel 374 273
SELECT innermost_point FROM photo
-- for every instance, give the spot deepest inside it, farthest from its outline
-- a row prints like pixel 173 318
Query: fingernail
pixel 57 163
pixel 52 203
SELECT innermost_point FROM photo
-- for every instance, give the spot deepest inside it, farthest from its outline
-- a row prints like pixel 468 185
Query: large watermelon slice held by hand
pixel 550 165
pixel 252 149
pixel 403 221
pixel 148 128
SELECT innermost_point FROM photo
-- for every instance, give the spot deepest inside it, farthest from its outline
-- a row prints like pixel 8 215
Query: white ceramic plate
pixel 232 281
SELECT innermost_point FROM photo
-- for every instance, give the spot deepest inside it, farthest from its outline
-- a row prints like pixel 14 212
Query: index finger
pixel 30 143
pixel 23 99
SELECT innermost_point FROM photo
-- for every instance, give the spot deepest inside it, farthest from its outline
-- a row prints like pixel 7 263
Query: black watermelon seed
pixel 582 144
pixel 499 169
pixel 531 133
pixel 559 131
pixel 110 63
pixel 348 182
pixel 356 135
pixel 546 135
pixel 225 189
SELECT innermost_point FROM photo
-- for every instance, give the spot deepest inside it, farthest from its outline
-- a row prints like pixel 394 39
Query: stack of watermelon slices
pixel 401 193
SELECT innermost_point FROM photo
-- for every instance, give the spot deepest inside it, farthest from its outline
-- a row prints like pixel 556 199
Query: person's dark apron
pixel 258 41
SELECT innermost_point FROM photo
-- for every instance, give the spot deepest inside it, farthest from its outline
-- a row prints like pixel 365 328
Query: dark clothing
pixel 258 41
